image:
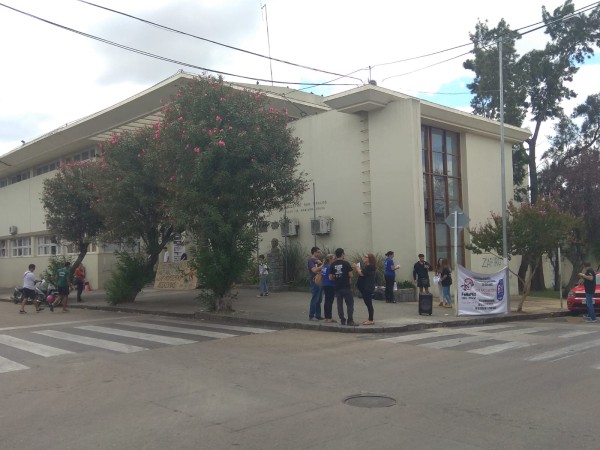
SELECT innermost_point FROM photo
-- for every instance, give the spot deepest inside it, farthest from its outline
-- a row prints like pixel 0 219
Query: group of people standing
pixel 333 276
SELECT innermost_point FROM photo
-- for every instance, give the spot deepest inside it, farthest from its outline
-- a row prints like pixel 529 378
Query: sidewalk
pixel 290 310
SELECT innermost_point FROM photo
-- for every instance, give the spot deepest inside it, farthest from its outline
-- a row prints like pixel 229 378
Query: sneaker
pixel 260 295
pixel 351 323
pixel 267 294
pixel 588 320
pixel 342 321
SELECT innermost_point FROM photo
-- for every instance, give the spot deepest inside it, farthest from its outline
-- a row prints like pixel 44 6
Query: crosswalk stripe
pixel 576 333
pixel 489 327
pixel 236 328
pixel 410 337
pixel 447 343
pixel 521 331
pixel 32 347
pixel 137 335
pixel 92 342
pixel 564 351
pixel 6 365
pixel 194 331
pixel 491 349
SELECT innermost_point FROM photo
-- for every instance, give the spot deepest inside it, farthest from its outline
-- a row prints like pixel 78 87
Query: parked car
pixel 576 297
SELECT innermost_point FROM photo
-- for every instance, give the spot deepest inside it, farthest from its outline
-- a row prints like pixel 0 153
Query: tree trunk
pixel 522 273
pixel 83 248
pixel 527 288
pixel 537 282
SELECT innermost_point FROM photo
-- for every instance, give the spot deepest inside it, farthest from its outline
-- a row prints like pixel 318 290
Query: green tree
pixel 134 199
pixel 542 75
pixel 228 160
pixel 571 176
pixel 533 230
pixel 70 199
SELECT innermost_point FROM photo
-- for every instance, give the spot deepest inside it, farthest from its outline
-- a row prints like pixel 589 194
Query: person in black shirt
pixel 366 283
pixel 341 272
pixel 421 273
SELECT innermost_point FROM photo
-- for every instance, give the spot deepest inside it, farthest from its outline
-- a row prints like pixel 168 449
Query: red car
pixel 576 297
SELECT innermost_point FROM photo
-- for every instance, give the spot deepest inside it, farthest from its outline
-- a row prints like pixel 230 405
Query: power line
pixel 152 55
pixel 544 25
pixel 173 30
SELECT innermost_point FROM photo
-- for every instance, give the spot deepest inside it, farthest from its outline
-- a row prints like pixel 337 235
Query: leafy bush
pixel 128 278
pixel 406 284
pixel 294 258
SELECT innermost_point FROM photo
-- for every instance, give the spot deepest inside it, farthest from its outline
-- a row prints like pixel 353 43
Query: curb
pixel 206 316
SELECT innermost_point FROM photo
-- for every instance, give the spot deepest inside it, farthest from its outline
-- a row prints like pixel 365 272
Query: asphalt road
pixel 98 380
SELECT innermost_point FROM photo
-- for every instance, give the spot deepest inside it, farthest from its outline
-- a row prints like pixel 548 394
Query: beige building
pixel 387 170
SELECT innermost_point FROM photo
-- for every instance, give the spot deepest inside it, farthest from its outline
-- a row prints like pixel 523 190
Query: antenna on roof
pixel 268 39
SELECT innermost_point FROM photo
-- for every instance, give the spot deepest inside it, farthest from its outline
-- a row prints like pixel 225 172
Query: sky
pixel 51 76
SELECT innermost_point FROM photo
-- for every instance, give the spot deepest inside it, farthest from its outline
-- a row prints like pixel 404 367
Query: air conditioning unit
pixel 13 229
pixel 320 225
pixel 289 228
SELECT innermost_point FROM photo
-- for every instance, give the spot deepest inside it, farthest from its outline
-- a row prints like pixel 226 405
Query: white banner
pixel 480 293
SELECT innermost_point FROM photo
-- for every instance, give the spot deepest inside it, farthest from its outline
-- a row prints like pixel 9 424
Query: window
pixel 46 168
pixel 4 248
pixel 21 247
pixel 47 246
pixel 441 191
pixel 72 249
pixel 19 177
pixel 82 156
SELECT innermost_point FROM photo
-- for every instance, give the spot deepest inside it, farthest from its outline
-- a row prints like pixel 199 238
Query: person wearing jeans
pixel 328 289
pixel 588 277
pixel 263 276
pixel 314 265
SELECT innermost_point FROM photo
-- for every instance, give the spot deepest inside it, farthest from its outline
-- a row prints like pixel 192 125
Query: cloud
pixel 228 22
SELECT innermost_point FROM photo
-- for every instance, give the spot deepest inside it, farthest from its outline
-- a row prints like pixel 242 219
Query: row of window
pixel 45 168
pixel 441 191
pixel 42 245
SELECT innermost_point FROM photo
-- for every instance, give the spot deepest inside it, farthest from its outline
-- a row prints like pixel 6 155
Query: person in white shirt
pixel 263 276
pixel 166 255
pixel 29 289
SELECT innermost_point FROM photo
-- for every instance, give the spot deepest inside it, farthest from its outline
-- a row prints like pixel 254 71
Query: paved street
pixel 123 381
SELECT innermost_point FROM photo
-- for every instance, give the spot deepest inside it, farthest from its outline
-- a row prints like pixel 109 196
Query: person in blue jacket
pixel 390 277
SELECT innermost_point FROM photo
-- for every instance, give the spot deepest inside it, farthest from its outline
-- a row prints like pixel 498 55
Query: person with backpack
pixel 446 282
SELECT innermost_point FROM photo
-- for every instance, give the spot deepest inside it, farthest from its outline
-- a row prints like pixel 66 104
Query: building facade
pixel 386 170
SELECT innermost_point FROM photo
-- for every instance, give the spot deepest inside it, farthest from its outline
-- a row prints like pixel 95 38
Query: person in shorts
pixel 421 274
pixel 63 280
pixel 29 289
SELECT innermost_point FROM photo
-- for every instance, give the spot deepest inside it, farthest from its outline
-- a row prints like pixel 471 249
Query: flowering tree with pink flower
pixel 533 231
pixel 228 159
pixel 70 199
pixel 134 200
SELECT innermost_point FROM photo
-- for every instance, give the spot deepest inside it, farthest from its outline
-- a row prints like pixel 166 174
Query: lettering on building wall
pixel 491 261
pixel 177 275
pixel 308 207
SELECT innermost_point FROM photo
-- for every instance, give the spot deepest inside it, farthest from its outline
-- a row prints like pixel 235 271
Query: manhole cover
pixel 370 401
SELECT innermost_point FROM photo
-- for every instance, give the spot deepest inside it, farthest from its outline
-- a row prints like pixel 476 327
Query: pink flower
pixel 221 144
pixel 172 177
pixel 196 149
pixel 180 119
pixel 218 118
